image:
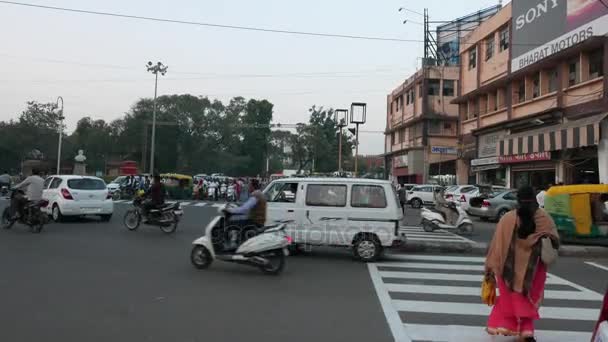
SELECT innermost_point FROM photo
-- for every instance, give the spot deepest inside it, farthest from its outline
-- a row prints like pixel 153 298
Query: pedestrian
pixel 540 197
pixel 147 183
pixel 514 261
pixel 402 197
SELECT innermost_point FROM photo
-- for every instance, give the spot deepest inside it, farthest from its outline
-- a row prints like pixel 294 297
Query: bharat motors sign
pixel 545 27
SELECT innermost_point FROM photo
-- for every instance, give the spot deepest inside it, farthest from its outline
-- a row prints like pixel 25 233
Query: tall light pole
pixel 341 118
pixel 60 134
pixel 155 69
pixel 357 116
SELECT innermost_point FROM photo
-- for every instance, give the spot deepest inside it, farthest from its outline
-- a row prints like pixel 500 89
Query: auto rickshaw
pixel 579 211
pixel 178 187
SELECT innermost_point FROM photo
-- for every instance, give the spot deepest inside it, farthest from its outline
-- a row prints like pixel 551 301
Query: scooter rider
pixel 5 179
pixel 34 185
pixel 155 195
pixel 252 213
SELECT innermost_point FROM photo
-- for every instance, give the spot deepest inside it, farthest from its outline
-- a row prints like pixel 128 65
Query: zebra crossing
pixel 435 298
pixel 195 204
pixel 417 234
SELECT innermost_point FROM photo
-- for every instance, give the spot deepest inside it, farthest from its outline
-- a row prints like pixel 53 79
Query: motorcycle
pixel 433 219
pixel 231 194
pixel 223 190
pixel 124 192
pixel 166 217
pixel 33 215
pixel 267 249
pixel 211 193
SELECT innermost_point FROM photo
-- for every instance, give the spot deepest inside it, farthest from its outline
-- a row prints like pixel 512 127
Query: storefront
pixel 442 165
pixel 565 153
pixel 486 167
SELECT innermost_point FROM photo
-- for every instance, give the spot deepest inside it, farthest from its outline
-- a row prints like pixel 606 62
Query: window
pixel 447 126
pixel 433 87
pixel 368 196
pixel 504 39
pixel 596 64
pixel 536 85
pixel 521 91
pixel 55 183
pixel 413 96
pixel 573 72
pixel 282 193
pixel 326 195
pixel 448 87
pixel 402 136
pixel 420 90
pixel 407 98
pixel 85 184
pixel 510 196
pixel 490 48
pixel 434 127
pixel 473 58
pixel 401 102
pixel 393 138
pixel 46 183
pixel 552 84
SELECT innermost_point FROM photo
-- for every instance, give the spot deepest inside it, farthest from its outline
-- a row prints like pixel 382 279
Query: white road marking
pixel 202 204
pixel 428 332
pixel 419 257
pixel 413 233
pixel 430 266
pixel 120 201
pixel 484 310
pixel 601 267
pixel 184 204
pixel 448 276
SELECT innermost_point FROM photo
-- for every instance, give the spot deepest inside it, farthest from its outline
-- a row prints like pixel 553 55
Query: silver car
pixel 493 206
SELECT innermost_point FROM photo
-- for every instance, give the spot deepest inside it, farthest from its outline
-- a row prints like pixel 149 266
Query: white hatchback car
pixel 77 196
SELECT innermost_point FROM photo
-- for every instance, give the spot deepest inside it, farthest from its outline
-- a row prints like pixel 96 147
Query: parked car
pixel 455 192
pixel 77 196
pixel 116 183
pixel 421 195
pixel 493 206
pixel 469 192
pixel 361 214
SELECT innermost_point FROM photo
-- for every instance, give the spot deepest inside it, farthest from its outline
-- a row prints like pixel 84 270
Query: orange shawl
pixel 513 258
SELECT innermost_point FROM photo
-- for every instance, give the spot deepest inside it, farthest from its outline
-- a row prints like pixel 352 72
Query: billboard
pixel 545 27
pixel 449 35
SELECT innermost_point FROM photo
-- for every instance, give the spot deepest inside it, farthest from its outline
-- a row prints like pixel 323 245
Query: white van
pixel 360 213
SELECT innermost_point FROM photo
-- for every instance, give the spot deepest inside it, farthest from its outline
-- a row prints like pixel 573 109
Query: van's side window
pixel 368 196
pixel 326 195
pixel 283 193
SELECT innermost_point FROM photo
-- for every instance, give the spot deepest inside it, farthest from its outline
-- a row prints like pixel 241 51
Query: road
pixel 90 281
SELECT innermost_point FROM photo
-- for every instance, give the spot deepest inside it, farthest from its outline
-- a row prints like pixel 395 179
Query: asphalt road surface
pixel 85 280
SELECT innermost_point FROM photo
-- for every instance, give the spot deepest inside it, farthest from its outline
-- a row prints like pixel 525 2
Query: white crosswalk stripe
pixel 196 204
pixel 202 204
pixel 417 234
pixel 435 298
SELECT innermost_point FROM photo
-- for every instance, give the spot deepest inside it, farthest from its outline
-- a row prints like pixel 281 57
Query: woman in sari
pixel 514 260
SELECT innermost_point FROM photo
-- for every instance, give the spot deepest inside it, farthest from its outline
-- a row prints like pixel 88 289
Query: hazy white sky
pixel 97 63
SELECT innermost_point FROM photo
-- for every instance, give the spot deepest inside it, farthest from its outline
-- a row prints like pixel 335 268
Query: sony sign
pixel 542 28
pixel 535 12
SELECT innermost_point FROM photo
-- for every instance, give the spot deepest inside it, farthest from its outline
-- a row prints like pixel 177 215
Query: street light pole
pixel 356 148
pixel 155 69
pixel 341 118
pixel 358 113
pixel 60 134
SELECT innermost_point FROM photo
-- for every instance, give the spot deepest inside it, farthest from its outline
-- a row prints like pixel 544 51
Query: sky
pixel 97 63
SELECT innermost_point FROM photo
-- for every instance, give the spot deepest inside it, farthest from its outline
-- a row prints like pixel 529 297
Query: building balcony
pixel 468 126
pixel 584 92
pixel 534 106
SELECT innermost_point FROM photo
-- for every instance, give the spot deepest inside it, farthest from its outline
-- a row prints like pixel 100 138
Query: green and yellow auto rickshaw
pixel 178 187
pixel 579 211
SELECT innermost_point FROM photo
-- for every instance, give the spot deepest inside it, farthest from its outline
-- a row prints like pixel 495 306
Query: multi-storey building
pixel 532 99
pixel 422 127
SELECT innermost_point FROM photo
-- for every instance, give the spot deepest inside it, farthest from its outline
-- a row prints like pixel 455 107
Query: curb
pixel 480 249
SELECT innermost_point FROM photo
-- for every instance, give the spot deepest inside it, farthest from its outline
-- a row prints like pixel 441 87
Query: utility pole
pixel 61 118
pixel 155 69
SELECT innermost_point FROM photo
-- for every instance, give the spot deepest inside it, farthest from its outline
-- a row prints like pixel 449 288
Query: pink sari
pixel 514 314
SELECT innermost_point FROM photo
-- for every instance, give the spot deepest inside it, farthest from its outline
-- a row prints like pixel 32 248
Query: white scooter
pixel 267 249
pixel 231 194
pixel 433 219
pixel 211 193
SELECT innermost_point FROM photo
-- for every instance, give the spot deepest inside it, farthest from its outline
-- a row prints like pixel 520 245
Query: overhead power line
pixel 225 26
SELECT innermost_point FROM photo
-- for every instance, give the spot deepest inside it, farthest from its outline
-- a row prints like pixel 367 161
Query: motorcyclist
pixel 445 207
pixel 5 180
pixel 155 196
pixel 34 185
pixel 251 214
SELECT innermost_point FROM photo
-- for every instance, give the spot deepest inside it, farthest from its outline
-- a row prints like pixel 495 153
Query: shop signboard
pixel 485 167
pixel 488 144
pixel 544 27
pixel 523 158
pixel 484 161
pixel 444 150
pixel 400 161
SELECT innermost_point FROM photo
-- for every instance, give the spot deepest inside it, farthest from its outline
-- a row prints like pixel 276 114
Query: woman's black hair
pixel 527 206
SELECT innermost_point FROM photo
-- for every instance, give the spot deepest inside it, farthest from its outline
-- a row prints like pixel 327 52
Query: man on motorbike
pixel 251 214
pixel 155 196
pixel 34 185
pixel 5 180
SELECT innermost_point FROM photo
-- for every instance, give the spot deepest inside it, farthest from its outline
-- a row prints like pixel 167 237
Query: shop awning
pixel 572 134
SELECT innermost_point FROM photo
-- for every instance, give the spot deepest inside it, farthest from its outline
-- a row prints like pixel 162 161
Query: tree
pixel 256 135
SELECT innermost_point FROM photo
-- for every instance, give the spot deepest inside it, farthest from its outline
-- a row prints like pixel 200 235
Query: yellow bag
pixel 488 290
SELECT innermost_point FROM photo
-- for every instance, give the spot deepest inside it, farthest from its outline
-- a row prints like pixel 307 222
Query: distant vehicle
pixel 360 214
pixel 77 196
pixel 421 195
pixel 493 206
pixel 116 183
pixel 33 216
pixel 462 194
pixel 166 217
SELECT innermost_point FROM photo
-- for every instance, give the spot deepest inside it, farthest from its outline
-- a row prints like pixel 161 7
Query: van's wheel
pixel 276 262
pixel 7 223
pixel 367 248
pixel 56 213
pixel 200 257
pixel 416 203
